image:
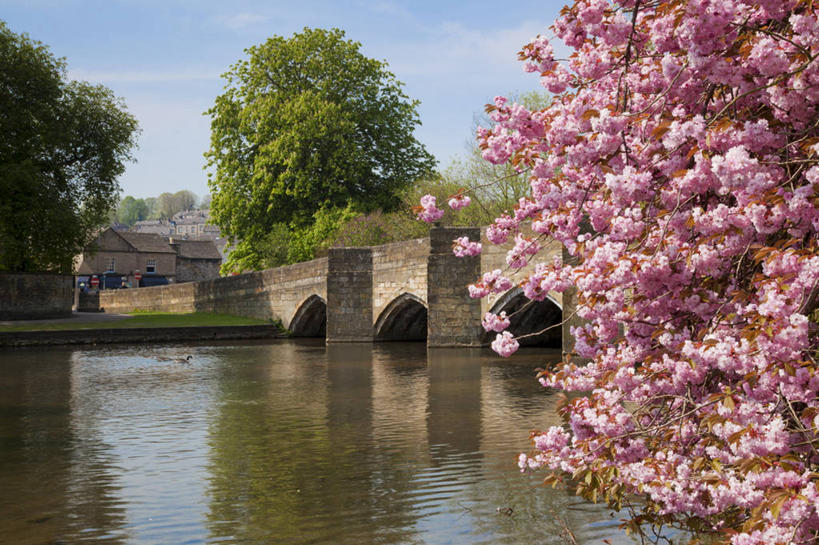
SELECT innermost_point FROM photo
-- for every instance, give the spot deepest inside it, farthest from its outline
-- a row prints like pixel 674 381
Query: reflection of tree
pixel 57 484
pixel 349 444
pixel 267 442
pixel 292 455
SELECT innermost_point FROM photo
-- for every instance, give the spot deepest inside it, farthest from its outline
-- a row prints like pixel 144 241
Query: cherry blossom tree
pixel 678 164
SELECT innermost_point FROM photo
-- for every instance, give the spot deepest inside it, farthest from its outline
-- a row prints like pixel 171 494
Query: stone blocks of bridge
pixel 349 295
pixel 454 318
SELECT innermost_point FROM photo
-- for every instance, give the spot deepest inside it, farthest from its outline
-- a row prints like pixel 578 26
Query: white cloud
pixel 452 48
pixel 244 19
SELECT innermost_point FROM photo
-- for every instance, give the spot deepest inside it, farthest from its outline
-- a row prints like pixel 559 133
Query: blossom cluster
pixel 428 211
pixel 678 164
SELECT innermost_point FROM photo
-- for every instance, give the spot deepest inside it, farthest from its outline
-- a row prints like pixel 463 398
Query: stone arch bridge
pixel 410 290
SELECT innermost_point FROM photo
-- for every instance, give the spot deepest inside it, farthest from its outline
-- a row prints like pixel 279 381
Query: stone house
pixel 186 225
pixel 122 253
pixel 194 223
pixel 196 259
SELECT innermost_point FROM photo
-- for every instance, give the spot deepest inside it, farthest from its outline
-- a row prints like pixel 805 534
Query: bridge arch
pixel 310 320
pixel 529 318
pixel 403 319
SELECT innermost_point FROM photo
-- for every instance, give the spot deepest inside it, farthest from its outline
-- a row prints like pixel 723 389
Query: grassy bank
pixel 139 319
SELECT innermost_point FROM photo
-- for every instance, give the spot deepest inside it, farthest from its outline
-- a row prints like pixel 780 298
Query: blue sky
pixel 165 58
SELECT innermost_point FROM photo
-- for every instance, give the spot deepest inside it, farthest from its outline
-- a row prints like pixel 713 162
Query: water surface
pixel 285 442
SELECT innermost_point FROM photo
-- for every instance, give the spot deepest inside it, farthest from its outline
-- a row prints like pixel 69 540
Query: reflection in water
pixel 288 442
pixel 57 481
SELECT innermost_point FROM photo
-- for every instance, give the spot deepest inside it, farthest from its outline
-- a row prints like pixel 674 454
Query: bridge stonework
pixel 399 268
pixel 454 317
pixel 410 290
pixel 349 295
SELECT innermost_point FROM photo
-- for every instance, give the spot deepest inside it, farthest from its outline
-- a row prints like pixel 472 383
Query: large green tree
pixel 63 145
pixel 307 123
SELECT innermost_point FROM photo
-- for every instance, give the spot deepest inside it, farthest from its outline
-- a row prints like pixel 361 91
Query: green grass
pixel 143 319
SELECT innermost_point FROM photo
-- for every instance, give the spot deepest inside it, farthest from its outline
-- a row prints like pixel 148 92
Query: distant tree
pixel 131 210
pixel 185 200
pixel 63 145
pixel 307 123
pixel 494 188
pixel 205 202
pixel 165 206
pixel 153 208
pixel 169 204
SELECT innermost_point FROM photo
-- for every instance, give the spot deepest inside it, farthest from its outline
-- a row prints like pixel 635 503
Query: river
pixel 287 442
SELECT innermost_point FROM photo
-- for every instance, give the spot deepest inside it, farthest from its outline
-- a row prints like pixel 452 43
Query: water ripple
pixel 286 442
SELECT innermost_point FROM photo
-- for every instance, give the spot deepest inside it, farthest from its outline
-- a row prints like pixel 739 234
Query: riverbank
pixel 101 328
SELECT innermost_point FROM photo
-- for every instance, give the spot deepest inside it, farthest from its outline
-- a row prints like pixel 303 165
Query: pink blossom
pixel 459 201
pixel 495 322
pixel 491 282
pixel 429 213
pixel 678 166
pixel 462 247
pixel 505 344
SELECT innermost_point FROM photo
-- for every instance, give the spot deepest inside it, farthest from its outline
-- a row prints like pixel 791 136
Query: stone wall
pixel 88 301
pixel 34 296
pixel 273 294
pixel 194 270
pixel 398 268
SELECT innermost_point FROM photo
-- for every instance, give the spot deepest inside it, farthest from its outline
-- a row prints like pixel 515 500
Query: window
pixel 180 229
pixel 150 266
pixel 110 264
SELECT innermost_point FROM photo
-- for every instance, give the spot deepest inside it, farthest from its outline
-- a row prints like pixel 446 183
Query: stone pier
pixel 454 317
pixel 349 295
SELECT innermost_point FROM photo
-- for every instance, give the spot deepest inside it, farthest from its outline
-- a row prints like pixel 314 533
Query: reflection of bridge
pixel 411 290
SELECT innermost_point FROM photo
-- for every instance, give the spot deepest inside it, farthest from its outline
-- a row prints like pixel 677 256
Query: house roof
pixel 191 217
pixel 147 242
pixel 198 249
pixel 161 227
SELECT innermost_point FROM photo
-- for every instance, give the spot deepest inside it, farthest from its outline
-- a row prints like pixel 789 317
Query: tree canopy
pixel 168 204
pixel 64 144
pixel 307 123
pixel 132 210
pixel 678 164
